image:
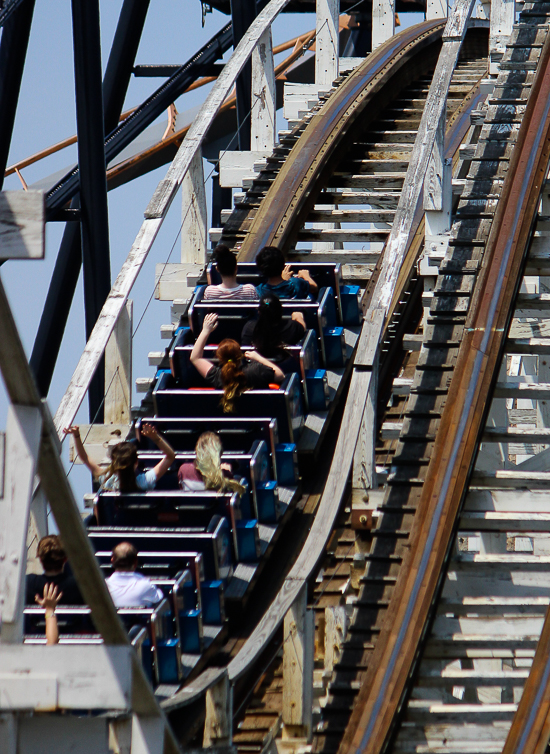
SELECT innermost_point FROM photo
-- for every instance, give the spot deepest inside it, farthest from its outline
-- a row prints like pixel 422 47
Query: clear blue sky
pixel 46 114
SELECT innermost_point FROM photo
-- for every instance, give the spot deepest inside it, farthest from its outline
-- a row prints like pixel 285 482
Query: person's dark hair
pixel 51 553
pixel 270 261
pixel 266 336
pixel 124 556
pixel 123 460
pixel 230 358
pixel 226 261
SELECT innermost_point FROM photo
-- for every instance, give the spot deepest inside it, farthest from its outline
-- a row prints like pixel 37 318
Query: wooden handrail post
pixel 437 206
pixel 383 21
pixel 326 42
pixel 118 369
pixel 503 16
pixel 262 128
pixel 193 213
pixel 364 461
pixel 219 714
pixel 436 9
pixel 24 428
pixel 298 646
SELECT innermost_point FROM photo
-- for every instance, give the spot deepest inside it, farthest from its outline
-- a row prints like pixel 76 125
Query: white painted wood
pixel 8 734
pixel 511 478
pixel 336 628
pixel 236 166
pixel 176 281
pixel 538 462
pixel 326 42
pixel 194 217
pixel 364 459
pixel 500 27
pixel 219 713
pixel 38 528
pixel 2 462
pixel 118 369
pixel 155 214
pixel 24 426
pixel 45 734
pixel 97 439
pixel 505 501
pixel 383 21
pixel 436 9
pixel 262 125
pixel 32 691
pixel 298 98
pixel 90 677
pixel 22 224
pixel 492 455
pixel 298 648
pixel 147 735
pixel 349 64
pixel 522 389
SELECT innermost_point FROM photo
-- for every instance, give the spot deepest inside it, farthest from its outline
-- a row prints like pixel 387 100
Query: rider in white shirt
pixel 127 587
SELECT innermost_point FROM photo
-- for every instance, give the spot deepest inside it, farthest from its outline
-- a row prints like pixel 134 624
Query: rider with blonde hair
pixel 122 473
pixel 207 472
pixel 235 373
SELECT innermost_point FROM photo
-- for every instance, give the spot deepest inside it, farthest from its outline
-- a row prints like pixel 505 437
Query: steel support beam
pixel 13 50
pixel 121 60
pixel 94 220
pixel 69 259
pixel 243 13
pixel 145 114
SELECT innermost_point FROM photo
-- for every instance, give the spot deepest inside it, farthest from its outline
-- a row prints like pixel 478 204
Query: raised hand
pixel 210 322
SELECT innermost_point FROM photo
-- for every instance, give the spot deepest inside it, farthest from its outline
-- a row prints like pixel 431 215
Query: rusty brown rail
pixel 452 460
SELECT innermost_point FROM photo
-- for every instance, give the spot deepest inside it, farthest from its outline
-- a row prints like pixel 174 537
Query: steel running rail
pixel 455 449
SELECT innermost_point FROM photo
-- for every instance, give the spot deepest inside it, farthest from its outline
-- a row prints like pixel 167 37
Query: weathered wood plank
pixel 24 427
pixel 22 224
pixel 92 677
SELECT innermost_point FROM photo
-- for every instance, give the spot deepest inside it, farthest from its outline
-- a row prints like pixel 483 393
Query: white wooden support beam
pixel 97 438
pixel 436 9
pixel 118 369
pixel 37 734
pixel 38 528
pixel 336 628
pixel 262 128
pixel 219 713
pixel 326 42
pixel 236 166
pixel 503 14
pixel 493 455
pixel 22 218
pixel 298 647
pixel 147 735
pixel 193 213
pixel 383 21
pixel 24 426
pixel 364 458
pixel 46 678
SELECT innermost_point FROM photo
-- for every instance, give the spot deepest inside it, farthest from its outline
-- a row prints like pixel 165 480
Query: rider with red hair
pixel 235 372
